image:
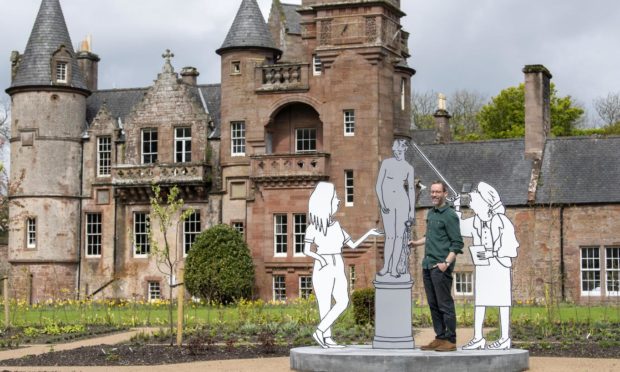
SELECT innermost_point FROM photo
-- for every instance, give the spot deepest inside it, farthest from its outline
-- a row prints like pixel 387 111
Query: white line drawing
pixel 494 247
pixel 328 275
pixel 397 210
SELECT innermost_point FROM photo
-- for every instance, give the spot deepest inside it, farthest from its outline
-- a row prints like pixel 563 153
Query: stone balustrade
pixel 146 174
pixel 289 167
pixel 283 77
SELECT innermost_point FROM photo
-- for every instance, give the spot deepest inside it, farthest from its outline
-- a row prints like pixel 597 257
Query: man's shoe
pixel 433 345
pixel 446 346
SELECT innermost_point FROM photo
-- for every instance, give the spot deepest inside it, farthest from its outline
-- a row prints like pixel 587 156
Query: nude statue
pixel 396 192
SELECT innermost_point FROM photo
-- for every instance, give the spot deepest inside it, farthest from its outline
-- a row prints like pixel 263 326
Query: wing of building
pixel 319 92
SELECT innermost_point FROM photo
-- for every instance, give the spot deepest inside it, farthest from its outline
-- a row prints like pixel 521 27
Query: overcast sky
pixel 478 45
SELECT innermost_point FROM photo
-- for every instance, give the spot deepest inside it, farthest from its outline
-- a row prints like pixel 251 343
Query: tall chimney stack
pixel 537 109
pixel 89 64
pixel 442 121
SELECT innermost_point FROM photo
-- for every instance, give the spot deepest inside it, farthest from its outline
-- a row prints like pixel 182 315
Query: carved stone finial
pixel 167 65
pixel 441 104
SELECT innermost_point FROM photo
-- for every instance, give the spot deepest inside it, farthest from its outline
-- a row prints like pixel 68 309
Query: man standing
pixel 442 243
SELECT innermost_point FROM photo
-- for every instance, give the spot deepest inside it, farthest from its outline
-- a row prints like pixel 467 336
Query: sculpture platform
pixel 363 358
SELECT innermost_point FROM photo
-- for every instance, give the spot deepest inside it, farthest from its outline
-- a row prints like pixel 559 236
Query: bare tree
pixel 608 108
pixel 464 106
pixel 5 121
pixel 423 106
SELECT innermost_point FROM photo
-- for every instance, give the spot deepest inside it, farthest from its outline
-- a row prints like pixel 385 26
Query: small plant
pixel 267 341
pixel 364 306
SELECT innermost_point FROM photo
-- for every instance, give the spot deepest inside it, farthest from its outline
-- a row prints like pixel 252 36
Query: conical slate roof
pixel 248 30
pixel 48 34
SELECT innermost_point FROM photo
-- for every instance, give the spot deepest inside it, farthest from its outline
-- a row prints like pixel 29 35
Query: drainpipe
pixel 79 231
pixel 562 279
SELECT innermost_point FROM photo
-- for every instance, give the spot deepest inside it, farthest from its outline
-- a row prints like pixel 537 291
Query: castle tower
pixel 48 117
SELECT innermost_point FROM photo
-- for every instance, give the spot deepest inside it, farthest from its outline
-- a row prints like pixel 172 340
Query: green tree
pixel 219 266
pixel 423 106
pixel 504 116
pixel 167 211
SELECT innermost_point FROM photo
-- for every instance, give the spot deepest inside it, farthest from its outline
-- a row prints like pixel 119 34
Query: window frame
pixel 279 233
pixel 403 94
pixel 96 235
pixel 299 234
pixel 103 159
pixel 153 156
pixel 239 226
pixel 282 288
pixel 61 68
pixel 235 67
pixel 189 237
pixel 145 233
pixel 309 140
pixel 348 120
pixel 317 65
pixel 185 153
pixel 149 290
pixel 352 277
pixel 349 188
pixel 595 270
pixel 237 138
pixel 304 290
pixel 614 257
pixel 31 232
pixel 461 280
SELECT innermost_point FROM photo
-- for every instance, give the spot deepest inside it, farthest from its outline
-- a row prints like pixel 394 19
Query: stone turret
pixel 46 152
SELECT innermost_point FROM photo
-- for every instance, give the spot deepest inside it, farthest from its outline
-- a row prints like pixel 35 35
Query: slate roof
pixel 48 34
pixel 212 94
pixel 580 170
pixel 424 136
pixel 500 163
pixel 121 101
pixel 248 30
pixel 293 19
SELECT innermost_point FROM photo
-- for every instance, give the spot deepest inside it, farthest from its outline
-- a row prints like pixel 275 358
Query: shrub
pixel 219 266
pixel 364 306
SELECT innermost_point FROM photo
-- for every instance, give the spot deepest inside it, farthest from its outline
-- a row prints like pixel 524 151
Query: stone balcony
pixel 133 175
pixel 286 169
pixel 284 77
pixel 133 182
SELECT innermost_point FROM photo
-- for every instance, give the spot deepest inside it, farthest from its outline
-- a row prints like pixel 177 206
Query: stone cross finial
pixel 441 98
pixel 167 65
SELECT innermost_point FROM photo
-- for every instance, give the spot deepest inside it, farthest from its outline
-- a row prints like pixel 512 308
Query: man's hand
pixel 385 210
pixel 442 266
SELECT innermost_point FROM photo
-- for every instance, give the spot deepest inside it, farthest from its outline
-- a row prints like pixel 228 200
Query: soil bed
pixel 136 355
pixel 149 354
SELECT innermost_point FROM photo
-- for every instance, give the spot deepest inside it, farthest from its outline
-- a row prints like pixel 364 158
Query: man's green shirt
pixel 443 235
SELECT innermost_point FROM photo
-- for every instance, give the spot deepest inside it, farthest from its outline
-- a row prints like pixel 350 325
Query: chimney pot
pixel 190 75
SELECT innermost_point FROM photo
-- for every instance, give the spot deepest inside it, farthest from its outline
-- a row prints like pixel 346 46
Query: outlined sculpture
pixel 494 247
pixel 397 210
pixel 328 275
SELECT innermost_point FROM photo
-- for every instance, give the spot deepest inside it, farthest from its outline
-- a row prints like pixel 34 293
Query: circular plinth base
pixel 364 358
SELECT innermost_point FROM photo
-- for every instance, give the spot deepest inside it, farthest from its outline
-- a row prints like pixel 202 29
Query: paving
pixel 276 364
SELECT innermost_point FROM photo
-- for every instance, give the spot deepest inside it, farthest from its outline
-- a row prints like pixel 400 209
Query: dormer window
pixel 61 66
pixel 61 72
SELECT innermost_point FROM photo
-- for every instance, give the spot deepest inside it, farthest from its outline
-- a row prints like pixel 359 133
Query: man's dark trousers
pixel 438 287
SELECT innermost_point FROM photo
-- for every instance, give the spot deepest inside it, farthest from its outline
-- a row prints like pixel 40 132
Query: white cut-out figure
pixel 328 275
pixel 494 247
pixel 397 205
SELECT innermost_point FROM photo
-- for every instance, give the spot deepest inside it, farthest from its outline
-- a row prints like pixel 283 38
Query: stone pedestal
pixel 393 315
pixel 363 358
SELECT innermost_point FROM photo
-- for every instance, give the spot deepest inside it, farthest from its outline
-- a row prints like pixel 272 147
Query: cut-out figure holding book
pixel 494 247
